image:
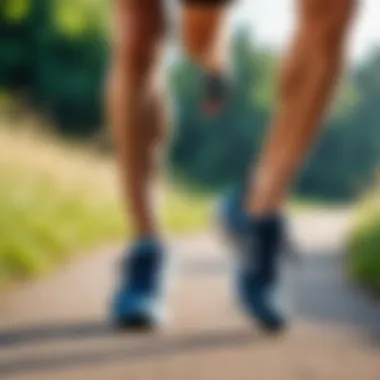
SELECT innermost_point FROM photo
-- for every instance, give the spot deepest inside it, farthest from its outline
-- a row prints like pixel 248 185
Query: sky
pixel 271 22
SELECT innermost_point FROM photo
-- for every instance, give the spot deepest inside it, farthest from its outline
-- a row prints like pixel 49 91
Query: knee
pixel 200 26
pixel 195 44
pixel 325 24
pixel 195 47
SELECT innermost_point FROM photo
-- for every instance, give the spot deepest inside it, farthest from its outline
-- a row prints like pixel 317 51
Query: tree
pixel 56 61
pixel 213 153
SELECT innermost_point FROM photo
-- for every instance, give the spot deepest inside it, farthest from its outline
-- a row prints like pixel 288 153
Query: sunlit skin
pixel 135 102
pixel 311 71
pixel 204 40
pixel 136 113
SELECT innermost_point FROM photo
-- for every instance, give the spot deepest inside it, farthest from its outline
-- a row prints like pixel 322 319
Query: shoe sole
pixel 137 323
pixel 235 243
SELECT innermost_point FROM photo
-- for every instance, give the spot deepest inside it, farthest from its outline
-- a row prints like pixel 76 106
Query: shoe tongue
pixel 267 227
pixel 146 244
pixel 267 235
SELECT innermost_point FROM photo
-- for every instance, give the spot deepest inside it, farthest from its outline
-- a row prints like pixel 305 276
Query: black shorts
pixel 205 2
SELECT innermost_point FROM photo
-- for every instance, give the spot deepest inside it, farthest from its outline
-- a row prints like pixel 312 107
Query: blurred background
pixel 58 184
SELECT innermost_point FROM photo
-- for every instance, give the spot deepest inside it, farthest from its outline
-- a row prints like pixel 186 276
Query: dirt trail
pixel 55 329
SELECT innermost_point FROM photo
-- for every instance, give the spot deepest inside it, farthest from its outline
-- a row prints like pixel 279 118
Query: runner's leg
pixel 133 106
pixel 310 74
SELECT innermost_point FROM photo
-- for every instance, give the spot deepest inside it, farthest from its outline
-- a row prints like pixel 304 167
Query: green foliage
pixel 214 152
pixel 41 223
pixel 364 247
pixel 54 54
pixel 211 154
pixel 57 199
pixel 15 11
pixel 80 17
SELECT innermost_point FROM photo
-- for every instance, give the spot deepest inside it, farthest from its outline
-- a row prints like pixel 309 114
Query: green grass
pixel 58 199
pixel 41 224
pixel 364 247
pixel 183 211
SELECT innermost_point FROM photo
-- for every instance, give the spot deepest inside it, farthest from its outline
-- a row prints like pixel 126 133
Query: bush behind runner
pixel 58 198
pixel 364 246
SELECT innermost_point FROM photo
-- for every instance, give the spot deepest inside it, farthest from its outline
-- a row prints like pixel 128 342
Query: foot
pixel 215 93
pixel 138 302
pixel 257 244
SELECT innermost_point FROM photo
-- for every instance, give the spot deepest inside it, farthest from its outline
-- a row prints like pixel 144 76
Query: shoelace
pixel 142 271
pixel 287 247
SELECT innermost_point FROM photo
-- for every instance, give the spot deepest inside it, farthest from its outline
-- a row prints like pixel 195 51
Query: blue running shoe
pixel 258 252
pixel 138 302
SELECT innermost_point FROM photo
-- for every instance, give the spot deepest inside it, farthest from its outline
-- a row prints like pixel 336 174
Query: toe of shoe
pixel 133 311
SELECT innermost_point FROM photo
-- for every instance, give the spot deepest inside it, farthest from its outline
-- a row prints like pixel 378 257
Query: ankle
pixel 151 239
pixel 144 231
pixel 262 209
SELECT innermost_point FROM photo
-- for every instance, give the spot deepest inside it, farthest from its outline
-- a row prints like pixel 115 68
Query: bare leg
pixel 202 33
pixel 204 39
pixel 310 74
pixel 133 106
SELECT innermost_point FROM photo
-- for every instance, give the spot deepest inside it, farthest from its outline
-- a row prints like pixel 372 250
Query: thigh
pixel 205 2
pixel 141 7
pixel 325 10
pixel 137 20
